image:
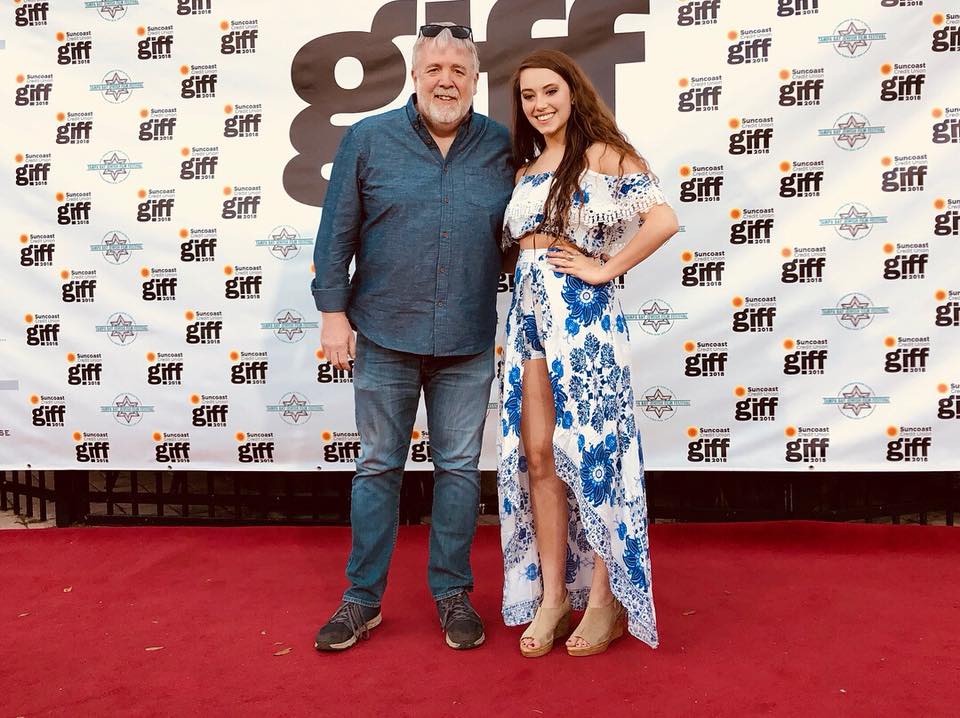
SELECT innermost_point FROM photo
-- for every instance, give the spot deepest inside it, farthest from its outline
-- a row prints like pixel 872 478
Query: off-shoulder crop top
pixel 603 213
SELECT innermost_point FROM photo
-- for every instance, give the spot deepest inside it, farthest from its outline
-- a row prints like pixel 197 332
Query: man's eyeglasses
pixel 461 32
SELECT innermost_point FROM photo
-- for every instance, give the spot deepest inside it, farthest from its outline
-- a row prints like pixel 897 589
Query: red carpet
pixel 755 619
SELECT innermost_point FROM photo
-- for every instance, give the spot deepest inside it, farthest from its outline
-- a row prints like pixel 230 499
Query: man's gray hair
pixel 443 40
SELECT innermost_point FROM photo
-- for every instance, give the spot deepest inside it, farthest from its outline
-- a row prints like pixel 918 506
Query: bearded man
pixel 416 200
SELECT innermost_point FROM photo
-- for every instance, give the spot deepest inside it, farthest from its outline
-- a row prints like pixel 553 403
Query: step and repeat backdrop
pixel 165 161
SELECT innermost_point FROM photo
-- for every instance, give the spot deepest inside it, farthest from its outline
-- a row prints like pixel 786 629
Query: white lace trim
pixel 583 218
pixel 623 210
pixel 524 210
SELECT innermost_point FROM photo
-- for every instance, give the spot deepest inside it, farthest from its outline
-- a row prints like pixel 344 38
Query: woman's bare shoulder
pixel 606 160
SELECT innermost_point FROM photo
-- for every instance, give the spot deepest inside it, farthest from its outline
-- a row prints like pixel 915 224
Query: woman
pixel 570 475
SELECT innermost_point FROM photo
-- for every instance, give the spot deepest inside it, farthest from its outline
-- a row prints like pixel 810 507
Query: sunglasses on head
pixel 461 32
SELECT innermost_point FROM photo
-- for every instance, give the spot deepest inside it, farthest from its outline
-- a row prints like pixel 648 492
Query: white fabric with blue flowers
pixel 581 330
pixel 604 211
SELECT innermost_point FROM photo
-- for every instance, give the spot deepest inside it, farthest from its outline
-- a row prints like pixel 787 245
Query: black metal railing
pixel 27 493
pixel 217 497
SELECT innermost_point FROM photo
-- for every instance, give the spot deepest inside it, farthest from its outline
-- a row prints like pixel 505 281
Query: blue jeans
pixel 387 386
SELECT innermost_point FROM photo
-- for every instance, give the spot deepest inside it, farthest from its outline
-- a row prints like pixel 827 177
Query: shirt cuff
pixel 332 300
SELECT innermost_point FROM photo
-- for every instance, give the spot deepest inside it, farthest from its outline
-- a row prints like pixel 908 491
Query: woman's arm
pixel 659 225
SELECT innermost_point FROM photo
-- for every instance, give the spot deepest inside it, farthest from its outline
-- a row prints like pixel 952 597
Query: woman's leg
pixel 600 594
pixel 548 494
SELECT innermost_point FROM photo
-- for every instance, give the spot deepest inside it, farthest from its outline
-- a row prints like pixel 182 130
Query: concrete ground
pixel 9 520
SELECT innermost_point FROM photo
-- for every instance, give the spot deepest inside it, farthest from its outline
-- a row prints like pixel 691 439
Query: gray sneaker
pixel 461 624
pixel 351 622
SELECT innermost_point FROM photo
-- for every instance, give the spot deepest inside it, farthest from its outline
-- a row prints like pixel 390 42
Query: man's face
pixel 445 82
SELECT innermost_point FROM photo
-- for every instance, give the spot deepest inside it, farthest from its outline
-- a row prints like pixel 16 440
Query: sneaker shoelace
pixel 351 615
pixel 455 608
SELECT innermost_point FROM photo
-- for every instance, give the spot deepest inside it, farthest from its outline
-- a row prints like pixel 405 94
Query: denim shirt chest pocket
pixel 482 187
pixel 397 191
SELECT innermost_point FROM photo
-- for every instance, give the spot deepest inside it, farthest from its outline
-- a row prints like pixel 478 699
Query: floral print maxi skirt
pixel 579 328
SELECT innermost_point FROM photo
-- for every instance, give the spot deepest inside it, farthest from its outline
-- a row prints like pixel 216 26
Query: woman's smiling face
pixel 546 100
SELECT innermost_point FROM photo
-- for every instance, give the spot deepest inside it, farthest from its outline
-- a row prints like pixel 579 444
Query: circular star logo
pixel 853 221
pixel 289 326
pixel 117 87
pixel 114 167
pixel 854 400
pixel 126 409
pixel 855 312
pixel 654 317
pixel 852 38
pixel 283 242
pixel 658 403
pixel 121 329
pixel 851 131
pixel 295 408
pixel 111 10
pixel 115 247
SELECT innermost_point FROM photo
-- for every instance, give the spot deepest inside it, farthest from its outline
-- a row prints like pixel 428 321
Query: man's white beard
pixel 444 115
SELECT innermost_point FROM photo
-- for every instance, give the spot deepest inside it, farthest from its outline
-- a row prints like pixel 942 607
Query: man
pixel 416 198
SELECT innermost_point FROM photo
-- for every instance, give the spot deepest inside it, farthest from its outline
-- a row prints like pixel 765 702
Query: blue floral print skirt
pixel 580 330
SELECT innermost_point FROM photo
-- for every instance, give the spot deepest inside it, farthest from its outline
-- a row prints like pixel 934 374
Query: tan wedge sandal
pixel 599 627
pixel 547 625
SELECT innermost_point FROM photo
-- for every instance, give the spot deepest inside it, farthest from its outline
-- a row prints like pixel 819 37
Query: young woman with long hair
pixel 585 209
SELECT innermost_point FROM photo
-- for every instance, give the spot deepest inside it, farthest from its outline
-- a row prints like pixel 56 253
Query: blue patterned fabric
pixel 604 211
pixel 596 447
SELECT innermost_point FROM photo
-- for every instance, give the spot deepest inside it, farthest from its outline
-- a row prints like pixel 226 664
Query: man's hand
pixel 337 339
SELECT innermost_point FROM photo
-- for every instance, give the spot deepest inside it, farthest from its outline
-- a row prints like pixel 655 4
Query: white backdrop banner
pixel 165 161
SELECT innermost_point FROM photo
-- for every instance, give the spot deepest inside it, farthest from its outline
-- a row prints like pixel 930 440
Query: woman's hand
pixel 579 265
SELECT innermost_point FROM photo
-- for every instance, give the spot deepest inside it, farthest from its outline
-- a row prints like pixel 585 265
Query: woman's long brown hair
pixel 590 121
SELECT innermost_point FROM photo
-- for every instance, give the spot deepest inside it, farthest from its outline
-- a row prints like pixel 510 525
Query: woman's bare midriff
pixel 542 241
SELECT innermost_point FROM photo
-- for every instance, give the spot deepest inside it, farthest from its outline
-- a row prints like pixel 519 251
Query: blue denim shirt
pixel 424 230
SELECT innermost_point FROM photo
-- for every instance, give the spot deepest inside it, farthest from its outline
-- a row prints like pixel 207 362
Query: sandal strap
pixel 543 627
pixel 598 623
